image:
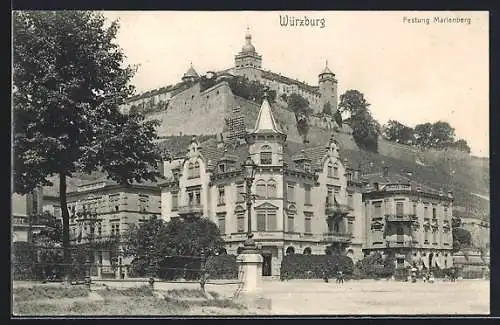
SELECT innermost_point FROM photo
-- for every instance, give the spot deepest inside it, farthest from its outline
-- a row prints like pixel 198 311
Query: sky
pixel 408 70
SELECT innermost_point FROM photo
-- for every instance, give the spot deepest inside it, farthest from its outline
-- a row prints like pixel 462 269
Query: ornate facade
pixel 306 198
pixel 408 221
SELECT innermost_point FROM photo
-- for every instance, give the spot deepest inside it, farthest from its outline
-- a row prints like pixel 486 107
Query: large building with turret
pixel 247 63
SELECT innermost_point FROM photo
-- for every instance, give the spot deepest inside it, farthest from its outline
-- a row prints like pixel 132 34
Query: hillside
pixel 204 114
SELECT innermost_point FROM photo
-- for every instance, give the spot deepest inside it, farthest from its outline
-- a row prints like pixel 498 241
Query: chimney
pixel 409 173
pixel 386 171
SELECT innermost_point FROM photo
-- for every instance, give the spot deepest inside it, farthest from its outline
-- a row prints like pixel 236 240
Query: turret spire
pixel 265 121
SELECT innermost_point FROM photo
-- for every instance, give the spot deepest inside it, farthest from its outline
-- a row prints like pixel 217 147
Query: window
pixel 271 189
pixel 307 166
pixel 399 208
pixel 350 202
pixel 194 196
pixel 377 209
pixel 266 155
pixel 221 200
pixel 329 195
pixel 240 221
pixel 307 194
pixel 196 169
pixel 190 170
pixel 426 235
pixel 222 168
pixel 426 211
pixel 349 227
pixel 115 229
pixel 335 171
pixel 290 193
pixel 222 223
pixel 99 230
pixel 434 212
pixel 240 189
pixel 261 188
pixel 330 169
pixel 290 223
pixel 434 236
pixel 307 224
pixel 349 176
pixel 336 227
pixel 266 221
pixel 414 209
pixel 336 189
pixel 261 221
pixel 175 201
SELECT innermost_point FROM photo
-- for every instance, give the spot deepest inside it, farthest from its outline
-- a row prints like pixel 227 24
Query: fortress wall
pixel 192 112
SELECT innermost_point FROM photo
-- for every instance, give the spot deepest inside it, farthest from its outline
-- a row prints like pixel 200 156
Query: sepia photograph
pixel 244 163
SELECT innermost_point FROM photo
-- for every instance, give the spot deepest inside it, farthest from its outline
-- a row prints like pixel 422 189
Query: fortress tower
pixel 328 88
pixel 248 62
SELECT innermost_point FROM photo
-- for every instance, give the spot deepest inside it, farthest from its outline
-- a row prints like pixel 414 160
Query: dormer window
pixel 266 155
pixel 330 169
pixel 307 166
pixel 196 171
pixel 349 176
pixel 222 168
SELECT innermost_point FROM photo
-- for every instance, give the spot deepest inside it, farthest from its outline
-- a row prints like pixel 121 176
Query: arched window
pixel 336 227
pixel 271 189
pixel 196 169
pixel 330 169
pixel 190 170
pixel 290 250
pixel 261 188
pixel 266 155
pixel 307 251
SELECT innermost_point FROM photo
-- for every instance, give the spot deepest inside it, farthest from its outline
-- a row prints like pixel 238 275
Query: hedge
pixel 312 266
pixel 222 267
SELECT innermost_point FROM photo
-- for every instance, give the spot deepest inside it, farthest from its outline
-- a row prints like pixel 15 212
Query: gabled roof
pixel 191 73
pixel 396 178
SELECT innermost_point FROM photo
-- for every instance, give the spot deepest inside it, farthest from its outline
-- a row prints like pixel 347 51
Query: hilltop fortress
pixel 187 96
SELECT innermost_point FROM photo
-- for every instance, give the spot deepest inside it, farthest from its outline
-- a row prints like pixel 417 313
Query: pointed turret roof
pixel 326 70
pixel 265 120
pixel 191 72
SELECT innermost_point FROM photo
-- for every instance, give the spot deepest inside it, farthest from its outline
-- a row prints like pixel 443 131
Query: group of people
pixel 339 278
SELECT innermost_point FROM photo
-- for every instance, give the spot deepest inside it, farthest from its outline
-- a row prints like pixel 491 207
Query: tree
pixel 141 241
pixel 461 239
pixel 191 236
pixel 300 107
pixel 423 135
pixel 70 81
pixel 443 135
pixel 438 135
pixel 461 145
pixel 398 132
pixel 365 129
pixel 338 118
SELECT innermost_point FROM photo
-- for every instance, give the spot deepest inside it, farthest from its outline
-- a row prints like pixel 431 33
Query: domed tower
pixel 328 88
pixel 248 62
pixel 190 75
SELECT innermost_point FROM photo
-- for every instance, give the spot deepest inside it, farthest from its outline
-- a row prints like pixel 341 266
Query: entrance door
pixel 266 264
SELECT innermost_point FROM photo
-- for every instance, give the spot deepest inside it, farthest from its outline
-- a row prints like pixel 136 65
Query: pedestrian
pixel 340 277
pixel 325 275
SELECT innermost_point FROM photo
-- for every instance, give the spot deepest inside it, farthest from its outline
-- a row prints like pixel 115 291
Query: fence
pixel 46 264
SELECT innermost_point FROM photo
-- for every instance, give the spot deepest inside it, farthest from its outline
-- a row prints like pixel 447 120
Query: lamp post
pixel 249 168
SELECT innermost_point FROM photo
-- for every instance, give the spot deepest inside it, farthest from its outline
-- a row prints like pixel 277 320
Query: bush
pixel 177 267
pixel 312 266
pixel 374 266
pixel 222 267
pixel 23 261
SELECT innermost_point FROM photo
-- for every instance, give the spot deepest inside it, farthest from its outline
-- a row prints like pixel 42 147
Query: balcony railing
pixel 337 237
pixel 190 209
pixel 341 209
pixel 399 244
pixel 399 217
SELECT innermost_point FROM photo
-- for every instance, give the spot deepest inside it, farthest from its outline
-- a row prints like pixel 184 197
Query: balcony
pixel 399 244
pixel 337 209
pixel 337 237
pixel 190 209
pixel 399 217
